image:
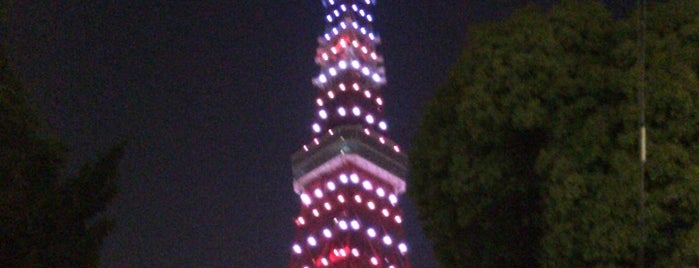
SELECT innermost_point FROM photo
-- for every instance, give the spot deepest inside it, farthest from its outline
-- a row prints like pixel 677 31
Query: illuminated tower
pixel 350 175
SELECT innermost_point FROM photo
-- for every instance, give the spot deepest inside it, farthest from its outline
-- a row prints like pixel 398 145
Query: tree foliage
pixel 528 154
pixel 47 218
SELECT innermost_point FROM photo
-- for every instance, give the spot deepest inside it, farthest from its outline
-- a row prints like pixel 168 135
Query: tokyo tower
pixel 350 175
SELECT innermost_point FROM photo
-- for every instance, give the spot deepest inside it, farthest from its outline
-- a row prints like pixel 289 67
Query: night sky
pixel 214 97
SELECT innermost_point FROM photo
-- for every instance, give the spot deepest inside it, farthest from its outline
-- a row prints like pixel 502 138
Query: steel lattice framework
pixel 350 175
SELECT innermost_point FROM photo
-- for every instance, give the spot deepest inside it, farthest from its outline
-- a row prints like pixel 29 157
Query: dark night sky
pixel 214 97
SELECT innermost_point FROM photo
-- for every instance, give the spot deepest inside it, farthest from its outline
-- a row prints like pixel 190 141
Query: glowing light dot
pixel 367 93
pixel 300 221
pixel 370 119
pixel 354 224
pixel 331 95
pixel 312 241
pixel 341 198
pixel 395 148
pixel 343 178
pixel 367 185
pixel 403 248
pixel 382 125
pixel 355 64
pixel 318 193
pixel 374 261
pixel 364 50
pixel 387 240
pixel 327 206
pixel 297 249
pixel 316 128
pixel 371 205
pixel 358 198
pixel 355 252
pixel 354 178
pixel 316 213
pixel 341 111
pixel 376 78
pixel 355 86
pixel 331 186
pixel 327 233
pixel 342 224
pixel 385 212
pixel 371 232
pixel 393 199
pixel 342 64
pixel 325 56
pixel 369 18
pixel 305 199
pixel 379 101
pixel 398 219
pixel 323 114
pixel 329 18
pixel 324 261
pixel 380 192
pixel 365 71
pixel 319 102
pixel 356 111
pixel 322 78
pixel 332 71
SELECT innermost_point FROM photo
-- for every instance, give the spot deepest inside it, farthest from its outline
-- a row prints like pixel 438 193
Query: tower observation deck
pixel 350 174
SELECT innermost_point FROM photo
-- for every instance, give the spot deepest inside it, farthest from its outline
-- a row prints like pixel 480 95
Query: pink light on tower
pixel 351 174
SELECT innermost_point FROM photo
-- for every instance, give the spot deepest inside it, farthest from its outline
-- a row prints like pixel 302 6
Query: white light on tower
pixel 403 248
pixel 354 178
pixel 367 185
pixel 370 119
pixel 312 241
pixel 305 199
pixel 342 224
pixel 387 240
pixel 354 224
pixel 371 232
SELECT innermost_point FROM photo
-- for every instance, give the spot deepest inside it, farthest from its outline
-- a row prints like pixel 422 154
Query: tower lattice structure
pixel 350 175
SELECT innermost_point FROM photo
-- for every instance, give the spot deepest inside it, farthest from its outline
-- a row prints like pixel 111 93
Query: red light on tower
pixel 349 177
